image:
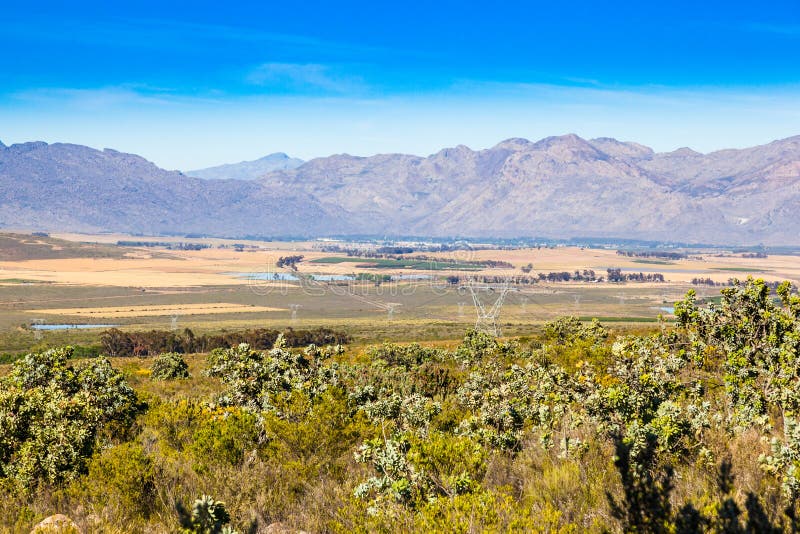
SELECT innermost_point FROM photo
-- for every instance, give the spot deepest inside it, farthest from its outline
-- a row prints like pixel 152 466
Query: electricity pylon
pixel 487 316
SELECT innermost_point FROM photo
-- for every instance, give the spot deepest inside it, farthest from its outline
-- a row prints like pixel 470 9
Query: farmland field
pixel 73 278
pixel 155 310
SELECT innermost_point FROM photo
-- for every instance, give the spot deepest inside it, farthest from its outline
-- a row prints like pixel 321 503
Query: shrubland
pixel 693 427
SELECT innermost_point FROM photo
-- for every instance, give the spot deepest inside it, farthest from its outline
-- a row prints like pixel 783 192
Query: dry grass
pixel 156 311
pixel 143 267
pixel 571 258
pixel 142 285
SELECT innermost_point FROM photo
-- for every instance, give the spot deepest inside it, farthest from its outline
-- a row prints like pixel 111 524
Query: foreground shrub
pixel 205 436
pixel 52 413
pixel 568 330
pixel 263 381
pixel 690 428
pixel 489 512
pixel 169 366
pixel 208 517
pixel 407 356
pixel 121 479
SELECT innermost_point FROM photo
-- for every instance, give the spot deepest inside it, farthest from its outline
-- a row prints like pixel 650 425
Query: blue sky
pixel 192 84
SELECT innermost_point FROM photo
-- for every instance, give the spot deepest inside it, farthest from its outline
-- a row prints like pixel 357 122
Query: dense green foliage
pixel 169 366
pixel 51 415
pixel 690 428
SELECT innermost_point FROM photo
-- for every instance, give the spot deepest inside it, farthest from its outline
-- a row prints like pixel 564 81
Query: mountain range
pixel 557 187
pixel 249 170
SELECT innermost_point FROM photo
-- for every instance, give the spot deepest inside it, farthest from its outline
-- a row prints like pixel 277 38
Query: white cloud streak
pixel 179 131
pixel 304 77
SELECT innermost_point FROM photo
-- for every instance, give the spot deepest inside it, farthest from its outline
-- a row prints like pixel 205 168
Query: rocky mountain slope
pixel 72 187
pixel 249 170
pixel 557 187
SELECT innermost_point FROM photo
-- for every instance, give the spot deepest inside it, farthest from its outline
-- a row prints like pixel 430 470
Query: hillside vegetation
pixel 690 428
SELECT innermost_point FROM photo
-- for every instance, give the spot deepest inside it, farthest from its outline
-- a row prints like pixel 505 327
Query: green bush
pixel 51 414
pixel 226 436
pixel 207 517
pixel 264 381
pixel 169 366
pixel 122 479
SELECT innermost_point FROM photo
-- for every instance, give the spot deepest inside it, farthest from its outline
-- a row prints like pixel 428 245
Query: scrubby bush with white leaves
pixel 169 366
pixel 52 414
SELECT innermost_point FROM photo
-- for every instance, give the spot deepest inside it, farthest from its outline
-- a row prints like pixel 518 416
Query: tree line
pixel 163 244
pixel 582 275
pixel 616 275
pixel 652 254
pixel 116 342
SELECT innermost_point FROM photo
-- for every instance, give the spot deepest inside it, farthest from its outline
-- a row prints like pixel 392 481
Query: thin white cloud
pixel 305 77
pixel 105 98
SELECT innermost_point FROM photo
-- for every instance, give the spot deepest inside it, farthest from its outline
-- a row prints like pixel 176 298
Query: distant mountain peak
pixel 568 140
pixel 513 143
pixel 249 170
pixel 623 149
pixel 456 151
pixel 275 155
pixel 571 146
pixel 684 152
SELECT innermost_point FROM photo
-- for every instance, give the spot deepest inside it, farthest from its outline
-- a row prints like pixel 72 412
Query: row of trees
pixel 660 254
pixel 164 244
pixel 115 342
pixel 583 275
pixel 746 254
pixel 616 275
pixel 709 282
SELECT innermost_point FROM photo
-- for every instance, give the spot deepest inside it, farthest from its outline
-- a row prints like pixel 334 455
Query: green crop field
pixel 742 269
